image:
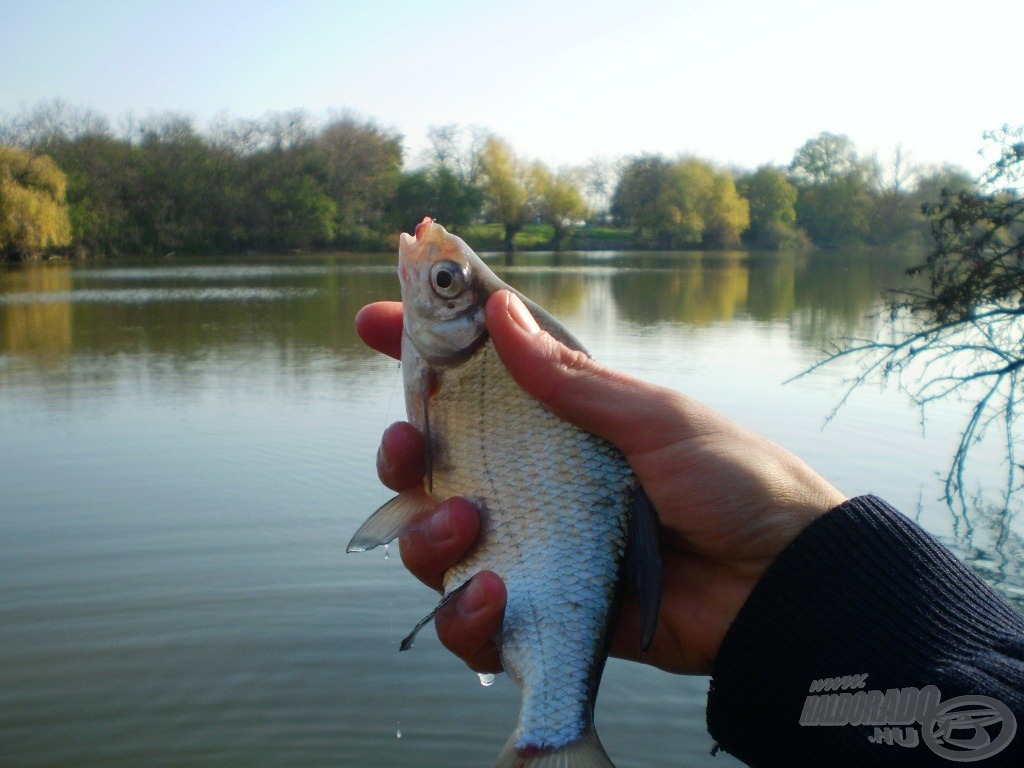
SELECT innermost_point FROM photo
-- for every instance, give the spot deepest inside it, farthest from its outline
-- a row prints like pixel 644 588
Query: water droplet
pixel 486 679
pixel 387 556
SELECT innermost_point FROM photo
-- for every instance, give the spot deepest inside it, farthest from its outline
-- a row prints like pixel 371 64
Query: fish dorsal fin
pixel 391 520
pixel 548 322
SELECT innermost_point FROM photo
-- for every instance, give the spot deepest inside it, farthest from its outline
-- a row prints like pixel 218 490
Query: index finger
pixel 379 325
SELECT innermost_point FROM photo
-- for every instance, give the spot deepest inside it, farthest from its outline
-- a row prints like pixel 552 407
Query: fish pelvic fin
pixel 643 563
pixel 585 752
pixel 391 520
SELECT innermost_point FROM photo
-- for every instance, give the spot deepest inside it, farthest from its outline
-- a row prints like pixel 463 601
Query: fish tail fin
pixel 391 520
pixel 585 752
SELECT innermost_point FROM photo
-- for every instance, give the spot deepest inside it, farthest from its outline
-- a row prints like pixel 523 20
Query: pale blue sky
pixel 739 82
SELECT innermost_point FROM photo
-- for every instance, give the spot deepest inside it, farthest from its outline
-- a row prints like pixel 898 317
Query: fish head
pixel 445 287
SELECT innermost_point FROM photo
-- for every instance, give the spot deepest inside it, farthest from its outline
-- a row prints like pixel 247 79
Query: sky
pixel 738 82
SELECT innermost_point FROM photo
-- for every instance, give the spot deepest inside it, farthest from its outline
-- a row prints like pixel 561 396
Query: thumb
pixel 633 414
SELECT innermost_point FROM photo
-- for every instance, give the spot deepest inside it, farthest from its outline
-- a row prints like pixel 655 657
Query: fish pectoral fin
pixel 409 639
pixel 391 520
pixel 585 752
pixel 643 563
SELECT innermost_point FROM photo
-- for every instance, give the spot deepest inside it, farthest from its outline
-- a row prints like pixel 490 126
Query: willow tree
pixel 508 186
pixel 559 201
pixel 33 208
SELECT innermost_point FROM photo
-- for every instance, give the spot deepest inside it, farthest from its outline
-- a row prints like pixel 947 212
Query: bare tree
pixel 458 149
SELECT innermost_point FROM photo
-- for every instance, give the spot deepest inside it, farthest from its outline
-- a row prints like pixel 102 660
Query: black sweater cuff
pixel 863 591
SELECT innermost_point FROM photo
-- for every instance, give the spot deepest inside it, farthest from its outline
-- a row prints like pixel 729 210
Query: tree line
pixel 69 180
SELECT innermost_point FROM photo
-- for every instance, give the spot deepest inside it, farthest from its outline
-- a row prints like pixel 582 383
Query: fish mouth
pixel 427 221
pixel 407 256
pixel 413 248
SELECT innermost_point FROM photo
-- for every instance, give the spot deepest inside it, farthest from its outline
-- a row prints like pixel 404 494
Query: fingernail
pixel 439 528
pixel 521 315
pixel 472 600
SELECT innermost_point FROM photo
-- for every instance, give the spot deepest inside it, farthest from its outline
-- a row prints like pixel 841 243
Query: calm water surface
pixel 188 445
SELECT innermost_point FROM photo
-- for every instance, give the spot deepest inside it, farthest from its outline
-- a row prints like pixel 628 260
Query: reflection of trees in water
pixel 984 537
pixel 821 298
pixel 316 317
pixel 693 292
pixel 837 295
pixel 40 328
pixel 560 292
pixel 298 313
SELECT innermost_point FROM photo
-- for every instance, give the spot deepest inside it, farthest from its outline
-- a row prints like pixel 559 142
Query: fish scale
pixel 541 480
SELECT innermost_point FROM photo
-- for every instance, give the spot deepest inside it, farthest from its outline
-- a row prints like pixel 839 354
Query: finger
pixel 468 625
pixel 379 325
pixel 577 388
pixel 400 457
pixel 439 540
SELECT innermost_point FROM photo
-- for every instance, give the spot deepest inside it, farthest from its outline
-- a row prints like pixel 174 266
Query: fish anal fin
pixel 391 520
pixel 411 637
pixel 643 563
pixel 585 752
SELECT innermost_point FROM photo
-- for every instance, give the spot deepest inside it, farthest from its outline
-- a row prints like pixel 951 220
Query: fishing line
pixel 394 386
pixel 392 631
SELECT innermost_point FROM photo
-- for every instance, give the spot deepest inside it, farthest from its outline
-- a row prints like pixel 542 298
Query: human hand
pixel 728 500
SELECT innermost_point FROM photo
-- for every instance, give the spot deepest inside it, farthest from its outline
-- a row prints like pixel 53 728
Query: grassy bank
pixel 491 237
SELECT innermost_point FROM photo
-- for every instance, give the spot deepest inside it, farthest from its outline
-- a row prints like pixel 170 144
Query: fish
pixel 563 517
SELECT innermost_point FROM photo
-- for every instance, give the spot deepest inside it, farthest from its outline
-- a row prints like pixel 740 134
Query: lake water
pixel 186 447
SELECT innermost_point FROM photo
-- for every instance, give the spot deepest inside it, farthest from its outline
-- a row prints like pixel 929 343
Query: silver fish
pixel 559 506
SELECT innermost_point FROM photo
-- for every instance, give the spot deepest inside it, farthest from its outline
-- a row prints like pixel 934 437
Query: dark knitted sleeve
pixel 852 646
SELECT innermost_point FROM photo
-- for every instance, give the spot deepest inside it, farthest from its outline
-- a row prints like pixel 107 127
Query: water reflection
pixel 58 309
pixel 985 536
pixel 40 326
pixel 694 293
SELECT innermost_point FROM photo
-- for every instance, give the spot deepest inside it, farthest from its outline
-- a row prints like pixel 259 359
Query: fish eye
pixel 447 279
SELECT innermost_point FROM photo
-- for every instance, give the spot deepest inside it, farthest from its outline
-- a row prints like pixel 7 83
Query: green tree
pixel 772 202
pixel 33 211
pixel 834 203
pixel 303 215
pixel 685 202
pixel 641 197
pixel 509 189
pixel 436 192
pixel 174 204
pixel 726 214
pixel 559 201
pixel 826 158
pixel 358 165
